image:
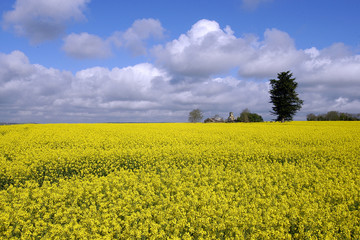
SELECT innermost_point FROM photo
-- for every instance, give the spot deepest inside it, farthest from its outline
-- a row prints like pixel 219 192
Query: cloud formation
pixel 133 38
pixel 193 71
pixel 143 92
pixel 84 45
pixel 43 20
pixel 29 89
pixel 207 50
pixel 204 50
pixel 87 46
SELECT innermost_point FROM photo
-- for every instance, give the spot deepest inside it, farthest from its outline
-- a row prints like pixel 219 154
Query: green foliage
pixel 333 116
pixel 284 97
pixel 311 117
pixel 254 117
pixel 244 116
pixel 195 116
pixel 247 116
pixel 298 180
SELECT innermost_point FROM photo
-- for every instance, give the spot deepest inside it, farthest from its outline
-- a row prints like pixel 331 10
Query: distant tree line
pixel 333 116
pixel 247 116
pixel 283 96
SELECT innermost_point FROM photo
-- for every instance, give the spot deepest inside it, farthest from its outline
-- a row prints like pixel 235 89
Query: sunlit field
pixel 298 180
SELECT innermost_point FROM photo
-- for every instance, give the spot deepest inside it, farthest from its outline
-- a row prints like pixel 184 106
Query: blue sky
pixel 140 61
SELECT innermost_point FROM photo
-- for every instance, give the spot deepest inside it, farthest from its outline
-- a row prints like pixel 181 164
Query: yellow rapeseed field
pixel 297 180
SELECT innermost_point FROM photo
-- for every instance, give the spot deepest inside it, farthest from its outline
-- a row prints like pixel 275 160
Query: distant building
pixel 231 117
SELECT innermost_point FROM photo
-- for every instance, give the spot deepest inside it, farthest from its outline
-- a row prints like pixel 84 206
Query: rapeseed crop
pixel 298 180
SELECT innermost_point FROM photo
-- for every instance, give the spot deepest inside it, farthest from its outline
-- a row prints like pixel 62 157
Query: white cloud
pixel 31 92
pixel 86 45
pixel 25 86
pixel 204 50
pixel 130 83
pixel 276 53
pixel 207 50
pixel 136 93
pixel 12 65
pixel 41 20
pixel 191 71
pixel 133 38
pixel 323 75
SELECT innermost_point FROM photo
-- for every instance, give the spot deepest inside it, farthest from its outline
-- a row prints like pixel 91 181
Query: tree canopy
pixel 247 116
pixel 284 97
pixel 195 116
pixel 333 116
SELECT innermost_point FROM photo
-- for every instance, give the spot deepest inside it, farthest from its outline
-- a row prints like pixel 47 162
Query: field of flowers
pixel 298 180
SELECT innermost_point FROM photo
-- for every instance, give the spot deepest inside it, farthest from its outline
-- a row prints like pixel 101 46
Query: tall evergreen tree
pixel 284 97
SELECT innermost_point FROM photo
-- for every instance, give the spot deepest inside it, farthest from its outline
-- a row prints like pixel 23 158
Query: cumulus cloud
pixel 133 38
pixel 324 75
pixel 41 20
pixel 125 84
pixel 29 88
pixel 86 45
pixel 207 50
pixel 204 50
pixel 193 71
pixel 329 83
pixel 31 92
pixel 143 92
pixel 276 53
